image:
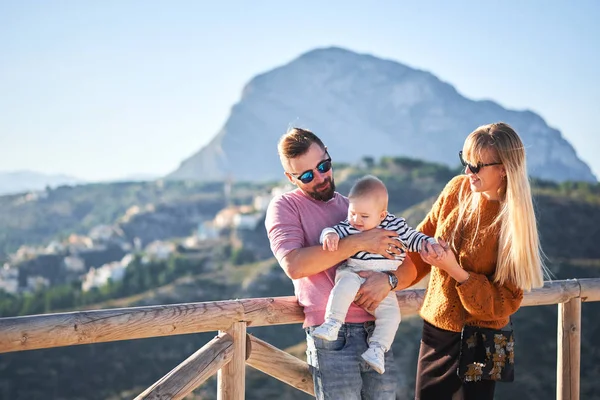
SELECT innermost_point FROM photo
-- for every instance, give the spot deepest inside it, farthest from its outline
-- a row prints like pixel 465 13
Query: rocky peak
pixel 361 105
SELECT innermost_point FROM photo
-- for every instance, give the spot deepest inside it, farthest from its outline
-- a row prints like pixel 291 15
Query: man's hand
pixel 378 241
pixel 373 291
pixel 330 241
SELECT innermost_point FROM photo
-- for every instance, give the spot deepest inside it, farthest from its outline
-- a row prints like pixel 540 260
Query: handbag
pixel 486 354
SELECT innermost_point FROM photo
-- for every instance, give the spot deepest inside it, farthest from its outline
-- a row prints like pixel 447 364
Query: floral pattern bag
pixel 487 354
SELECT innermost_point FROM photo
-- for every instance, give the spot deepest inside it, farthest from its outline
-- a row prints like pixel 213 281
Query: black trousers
pixel 436 371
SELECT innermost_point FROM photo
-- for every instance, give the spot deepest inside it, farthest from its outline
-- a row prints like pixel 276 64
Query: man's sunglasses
pixel 307 176
pixel 474 168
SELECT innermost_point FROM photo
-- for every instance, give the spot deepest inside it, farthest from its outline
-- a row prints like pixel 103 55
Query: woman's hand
pixel 443 260
pixel 446 262
pixel 373 291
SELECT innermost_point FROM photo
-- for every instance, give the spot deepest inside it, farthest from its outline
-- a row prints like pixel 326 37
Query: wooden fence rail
pixel 233 349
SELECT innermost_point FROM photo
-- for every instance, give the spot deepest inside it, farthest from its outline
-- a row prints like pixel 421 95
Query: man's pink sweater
pixel 295 220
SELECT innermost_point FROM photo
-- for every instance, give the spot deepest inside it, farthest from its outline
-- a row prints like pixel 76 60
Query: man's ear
pixel 290 178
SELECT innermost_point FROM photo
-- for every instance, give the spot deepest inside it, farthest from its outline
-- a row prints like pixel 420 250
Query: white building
pixel 54 247
pixel 225 217
pixel 9 279
pixel 79 243
pixel 281 189
pixel 97 277
pixel 37 282
pixel 102 233
pixel 127 259
pixel 74 264
pixel 261 202
pixel 207 231
pixel 247 221
pixel 159 250
pixel 130 213
pixel 190 242
pixel 24 253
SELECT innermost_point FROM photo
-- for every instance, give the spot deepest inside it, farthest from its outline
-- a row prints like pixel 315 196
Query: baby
pixel 368 200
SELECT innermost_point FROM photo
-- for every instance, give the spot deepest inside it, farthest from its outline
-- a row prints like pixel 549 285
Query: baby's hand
pixel 330 241
pixel 438 250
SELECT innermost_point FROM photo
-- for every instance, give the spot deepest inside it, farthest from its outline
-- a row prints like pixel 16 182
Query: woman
pixel 485 221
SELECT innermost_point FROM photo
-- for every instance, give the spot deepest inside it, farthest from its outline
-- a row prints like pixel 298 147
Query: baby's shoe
pixel 375 356
pixel 328 330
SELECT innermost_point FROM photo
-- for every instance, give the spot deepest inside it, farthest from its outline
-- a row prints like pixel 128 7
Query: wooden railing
pixel 229 352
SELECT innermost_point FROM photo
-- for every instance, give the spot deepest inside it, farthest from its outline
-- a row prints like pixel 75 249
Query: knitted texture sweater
pixel 479 300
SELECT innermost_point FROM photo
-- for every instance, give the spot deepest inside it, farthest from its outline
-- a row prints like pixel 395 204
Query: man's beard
pixel 325 195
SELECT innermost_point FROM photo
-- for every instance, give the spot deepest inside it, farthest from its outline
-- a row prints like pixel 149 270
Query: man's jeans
pixel 339 372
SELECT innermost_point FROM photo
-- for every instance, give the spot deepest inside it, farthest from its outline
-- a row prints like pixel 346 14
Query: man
pixel 294 223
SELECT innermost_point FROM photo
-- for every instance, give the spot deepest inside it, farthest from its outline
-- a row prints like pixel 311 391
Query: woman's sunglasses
pixel 474 168
pixel 307 176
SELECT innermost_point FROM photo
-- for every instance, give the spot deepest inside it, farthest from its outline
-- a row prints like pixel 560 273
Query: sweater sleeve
pixel 445 202
pixel 486 300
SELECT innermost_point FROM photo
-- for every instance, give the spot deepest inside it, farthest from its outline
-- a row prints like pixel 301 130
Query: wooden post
pixel 191 373
pixel 280 365
pixel 569 350
pixel 232 377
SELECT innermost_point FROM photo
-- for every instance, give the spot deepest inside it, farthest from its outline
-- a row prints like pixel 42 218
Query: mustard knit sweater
pixel 477 301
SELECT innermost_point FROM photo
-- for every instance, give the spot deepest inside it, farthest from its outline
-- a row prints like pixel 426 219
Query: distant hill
pixel 176 208
pixel 24 181
pixel 173 208
pixel 568 215
pixel 362 105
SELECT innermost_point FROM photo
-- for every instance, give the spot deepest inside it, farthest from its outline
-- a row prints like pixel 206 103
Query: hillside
pixel 569 219
pixel 166 209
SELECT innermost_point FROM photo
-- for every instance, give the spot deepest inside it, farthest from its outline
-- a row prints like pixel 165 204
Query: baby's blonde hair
pixel 370 186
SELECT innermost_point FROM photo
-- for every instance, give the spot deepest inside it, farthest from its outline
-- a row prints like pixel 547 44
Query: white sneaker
pixel 374 356
pixel 328 330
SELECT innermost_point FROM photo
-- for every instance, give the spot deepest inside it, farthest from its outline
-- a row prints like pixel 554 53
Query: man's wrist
pixel 392 279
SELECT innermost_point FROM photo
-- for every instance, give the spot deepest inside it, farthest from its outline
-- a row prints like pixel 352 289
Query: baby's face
pixel 365 213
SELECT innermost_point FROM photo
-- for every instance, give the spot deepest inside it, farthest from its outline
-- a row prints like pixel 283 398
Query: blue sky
pixel 108 89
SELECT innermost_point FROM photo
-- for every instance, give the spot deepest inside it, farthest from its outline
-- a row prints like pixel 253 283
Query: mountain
pixel 362 105
pixel 23 181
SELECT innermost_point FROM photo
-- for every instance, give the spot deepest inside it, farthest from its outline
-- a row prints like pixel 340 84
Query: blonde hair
pixel 520 257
